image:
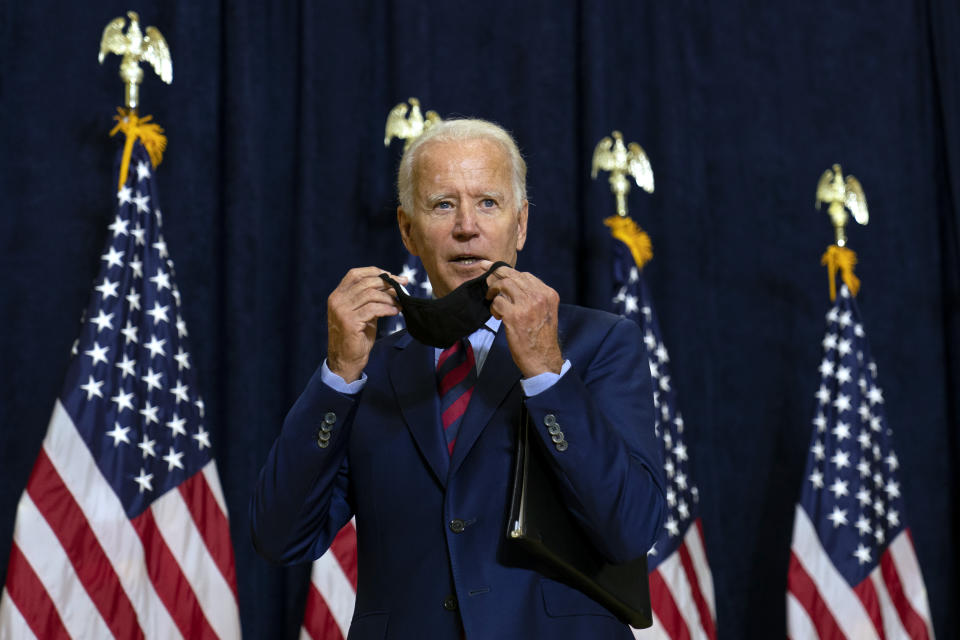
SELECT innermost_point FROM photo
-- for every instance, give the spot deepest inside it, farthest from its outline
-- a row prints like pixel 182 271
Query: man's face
pixel 464 211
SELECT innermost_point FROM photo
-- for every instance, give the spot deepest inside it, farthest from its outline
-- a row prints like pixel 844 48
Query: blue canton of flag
pixel 632 301
pixel 681 584
pixel 853 572
pixel 130 387
pixel 122 530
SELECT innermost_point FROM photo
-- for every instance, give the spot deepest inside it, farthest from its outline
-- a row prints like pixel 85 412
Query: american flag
pixel 122 530
pixel 853 571
pixel 681 584
pixel 418 284
pixel 333 577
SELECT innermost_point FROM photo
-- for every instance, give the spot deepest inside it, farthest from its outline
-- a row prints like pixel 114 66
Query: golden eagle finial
pixel 134 47
pixel 407 128
pixel 611 155
pixel 841 195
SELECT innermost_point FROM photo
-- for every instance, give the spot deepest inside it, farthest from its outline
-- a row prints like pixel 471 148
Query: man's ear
pixel 405 224
pixel 522 225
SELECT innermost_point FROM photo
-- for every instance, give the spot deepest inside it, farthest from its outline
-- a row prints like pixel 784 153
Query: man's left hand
pixel 528 309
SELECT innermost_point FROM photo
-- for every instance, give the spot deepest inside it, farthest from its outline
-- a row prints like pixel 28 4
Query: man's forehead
pixel 486 152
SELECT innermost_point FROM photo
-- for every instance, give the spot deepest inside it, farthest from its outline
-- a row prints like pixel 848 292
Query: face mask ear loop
pixel 400 292
pixel 484 287
pixel 496 265
pixel 393 283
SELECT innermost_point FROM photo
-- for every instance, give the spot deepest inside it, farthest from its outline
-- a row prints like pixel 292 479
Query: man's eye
pixel 444 205
pixel 488 202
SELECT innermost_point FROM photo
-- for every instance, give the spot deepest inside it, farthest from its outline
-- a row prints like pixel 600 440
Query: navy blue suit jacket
pixel 387 463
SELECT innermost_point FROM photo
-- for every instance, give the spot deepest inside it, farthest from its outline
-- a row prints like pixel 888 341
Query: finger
pixel 369 275
pixel 359 273
pixel 370 282
pixel 499 307
pixel 400 279
pixel 375 295
pixel 374 310
pixel 496 280
pixel 498 292
pixel 374 272
pixel 524 293
pixel 346 310
pixel 503 271
pixel 522 282
pixel 511 288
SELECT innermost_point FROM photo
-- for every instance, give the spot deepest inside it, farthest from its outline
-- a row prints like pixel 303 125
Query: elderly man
pixel 417 441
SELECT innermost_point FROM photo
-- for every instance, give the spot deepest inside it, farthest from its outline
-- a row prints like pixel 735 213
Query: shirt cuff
pixel 337 383
pixel 538 383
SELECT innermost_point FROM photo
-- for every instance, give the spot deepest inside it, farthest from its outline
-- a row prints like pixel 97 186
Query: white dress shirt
pixel 481 340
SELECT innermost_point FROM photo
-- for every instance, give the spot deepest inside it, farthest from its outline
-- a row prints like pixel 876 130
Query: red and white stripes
pixel 681 593
pixel 333 589
pixel 79 567
pixel 890 603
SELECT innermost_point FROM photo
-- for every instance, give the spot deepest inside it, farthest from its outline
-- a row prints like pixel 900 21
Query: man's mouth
pixel 466 259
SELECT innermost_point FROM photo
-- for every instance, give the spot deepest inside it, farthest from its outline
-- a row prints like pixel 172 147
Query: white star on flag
pixel 119 434
pixel 97 353
pixel 112 256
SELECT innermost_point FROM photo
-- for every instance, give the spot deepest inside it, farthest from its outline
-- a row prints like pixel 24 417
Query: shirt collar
pixel 492 324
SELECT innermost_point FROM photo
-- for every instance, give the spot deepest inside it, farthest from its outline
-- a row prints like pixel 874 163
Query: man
pixel 370 436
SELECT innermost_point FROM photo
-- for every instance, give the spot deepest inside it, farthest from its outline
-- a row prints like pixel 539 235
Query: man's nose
pixel 465 226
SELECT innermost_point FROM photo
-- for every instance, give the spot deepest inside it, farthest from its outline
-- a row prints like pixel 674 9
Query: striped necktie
pixel 456 377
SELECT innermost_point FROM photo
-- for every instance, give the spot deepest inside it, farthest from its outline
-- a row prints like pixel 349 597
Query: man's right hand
pixel 352 312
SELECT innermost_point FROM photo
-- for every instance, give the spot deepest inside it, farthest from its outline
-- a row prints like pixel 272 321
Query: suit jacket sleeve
pixel 302 498
pixel 610 472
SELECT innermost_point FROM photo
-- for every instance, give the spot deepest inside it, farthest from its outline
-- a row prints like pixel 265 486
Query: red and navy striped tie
pixel 456 377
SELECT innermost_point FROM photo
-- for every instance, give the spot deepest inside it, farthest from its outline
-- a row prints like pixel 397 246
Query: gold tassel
pixel 624 229
pixel 843 259
pixel 149 133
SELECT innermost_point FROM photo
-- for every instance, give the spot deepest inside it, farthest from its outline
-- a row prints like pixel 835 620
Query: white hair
pixel 461 129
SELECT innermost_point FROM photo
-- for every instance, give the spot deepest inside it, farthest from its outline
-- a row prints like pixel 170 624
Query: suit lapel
pixel 414 381
pixel 498 376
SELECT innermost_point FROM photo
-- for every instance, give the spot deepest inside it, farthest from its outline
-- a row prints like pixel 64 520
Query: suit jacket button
pixel 450 603
pixel 330 417
pixel 561 446
pixel 457 525
pixel 550 420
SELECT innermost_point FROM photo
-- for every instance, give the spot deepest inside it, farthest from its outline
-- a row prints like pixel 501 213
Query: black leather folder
pixel 552 542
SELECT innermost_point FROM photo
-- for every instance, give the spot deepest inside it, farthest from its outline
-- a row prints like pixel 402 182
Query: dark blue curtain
pixel 276 181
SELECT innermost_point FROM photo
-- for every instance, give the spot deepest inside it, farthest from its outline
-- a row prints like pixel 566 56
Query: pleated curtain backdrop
pixel 276 181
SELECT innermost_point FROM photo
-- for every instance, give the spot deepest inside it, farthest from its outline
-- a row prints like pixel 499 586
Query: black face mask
pixel 442 321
